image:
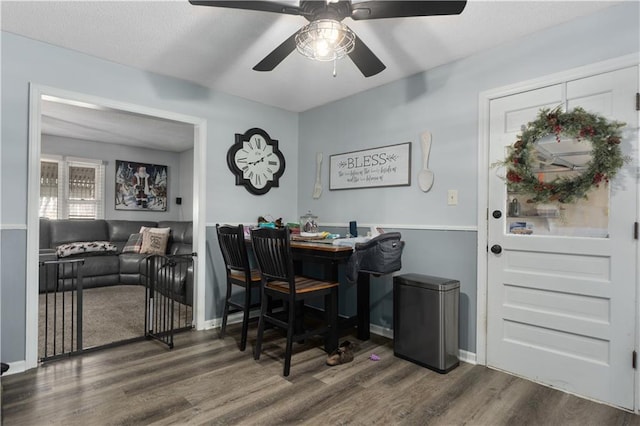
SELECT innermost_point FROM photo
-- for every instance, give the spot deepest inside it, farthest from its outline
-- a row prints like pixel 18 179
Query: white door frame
pixel 199 202
pixel 485 99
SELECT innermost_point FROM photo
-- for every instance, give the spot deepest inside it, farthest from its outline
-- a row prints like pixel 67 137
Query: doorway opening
pixel 71 126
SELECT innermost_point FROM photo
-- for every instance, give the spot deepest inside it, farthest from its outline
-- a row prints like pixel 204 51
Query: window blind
pixel 49 189
pixel 78 192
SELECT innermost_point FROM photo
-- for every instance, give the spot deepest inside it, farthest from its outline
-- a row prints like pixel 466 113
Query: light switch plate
pixel 452 197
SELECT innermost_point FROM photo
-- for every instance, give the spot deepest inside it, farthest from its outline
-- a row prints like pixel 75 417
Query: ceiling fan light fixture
pixel 325 40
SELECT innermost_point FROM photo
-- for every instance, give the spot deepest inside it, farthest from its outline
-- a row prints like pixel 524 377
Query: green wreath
pixel 606 155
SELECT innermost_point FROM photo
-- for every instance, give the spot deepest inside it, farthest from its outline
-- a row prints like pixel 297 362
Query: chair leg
pixel 291 326
pixel 261 321
pixel 331 310
pixel 245 318
pixel 225 314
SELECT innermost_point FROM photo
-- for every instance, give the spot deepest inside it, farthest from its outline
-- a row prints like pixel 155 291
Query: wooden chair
pixel 279 282
pixel 240 274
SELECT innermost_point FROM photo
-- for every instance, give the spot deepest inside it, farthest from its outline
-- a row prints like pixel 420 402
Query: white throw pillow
pixel 154 240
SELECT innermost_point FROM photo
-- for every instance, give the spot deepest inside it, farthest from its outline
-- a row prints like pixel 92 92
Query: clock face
pixel 256 161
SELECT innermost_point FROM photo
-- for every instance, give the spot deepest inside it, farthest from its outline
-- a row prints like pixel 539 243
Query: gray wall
pixel 13 247
pixel 109 153
pixel 24 61
pixel 444 101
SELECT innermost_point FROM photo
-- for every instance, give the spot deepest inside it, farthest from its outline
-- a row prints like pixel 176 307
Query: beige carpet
pixel 111 314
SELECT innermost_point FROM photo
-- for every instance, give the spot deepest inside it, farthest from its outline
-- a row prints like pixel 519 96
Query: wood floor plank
pixel 207 380
pixel 360 367
pixel 493 405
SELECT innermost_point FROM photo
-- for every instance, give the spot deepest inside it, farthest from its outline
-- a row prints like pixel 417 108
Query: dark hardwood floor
pixel 204 380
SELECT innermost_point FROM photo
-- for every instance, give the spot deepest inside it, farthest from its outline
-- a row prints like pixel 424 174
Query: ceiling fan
pixel 326 38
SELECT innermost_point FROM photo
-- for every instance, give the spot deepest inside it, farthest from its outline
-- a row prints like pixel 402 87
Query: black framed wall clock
pixel 256 161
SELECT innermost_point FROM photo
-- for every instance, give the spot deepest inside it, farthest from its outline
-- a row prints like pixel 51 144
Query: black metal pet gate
pixel 166 307
pixel 168 303
pixel 61 310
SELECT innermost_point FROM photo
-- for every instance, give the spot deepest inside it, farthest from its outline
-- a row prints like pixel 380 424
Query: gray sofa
pixel 113 268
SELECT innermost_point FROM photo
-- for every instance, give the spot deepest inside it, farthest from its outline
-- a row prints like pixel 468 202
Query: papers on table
pixel 351 242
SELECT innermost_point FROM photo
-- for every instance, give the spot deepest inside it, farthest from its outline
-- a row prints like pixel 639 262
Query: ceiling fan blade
pixel 400 9
pixel 262 6
pixel 277 55
pixel 366 61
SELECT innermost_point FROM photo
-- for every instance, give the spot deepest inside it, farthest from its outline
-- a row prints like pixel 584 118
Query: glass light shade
pixel 325 40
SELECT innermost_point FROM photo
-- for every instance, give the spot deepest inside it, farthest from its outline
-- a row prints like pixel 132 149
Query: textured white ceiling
pixel 217 47
pixel 96 123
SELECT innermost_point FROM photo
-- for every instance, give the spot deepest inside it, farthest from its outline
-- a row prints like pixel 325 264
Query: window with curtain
pixel 71 189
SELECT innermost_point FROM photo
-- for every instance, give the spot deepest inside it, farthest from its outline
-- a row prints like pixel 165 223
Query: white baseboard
pixel 464 356
pixel 468 357
pixel 234 318
pixel 16 367
pixel 214 323
pixel 381 331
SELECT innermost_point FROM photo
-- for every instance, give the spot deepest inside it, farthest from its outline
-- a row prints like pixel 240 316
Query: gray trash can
pixel 425 320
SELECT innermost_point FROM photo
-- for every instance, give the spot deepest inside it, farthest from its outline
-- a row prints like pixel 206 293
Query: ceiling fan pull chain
pixel 335 72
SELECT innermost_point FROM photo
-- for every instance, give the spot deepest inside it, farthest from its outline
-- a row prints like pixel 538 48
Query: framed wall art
pixel 371 168
pixel 140 186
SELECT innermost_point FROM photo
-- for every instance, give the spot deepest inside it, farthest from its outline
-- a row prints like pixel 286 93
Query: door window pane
pixel 564 159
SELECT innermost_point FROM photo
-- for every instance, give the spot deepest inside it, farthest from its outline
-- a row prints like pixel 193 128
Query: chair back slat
pixel 273 254
pixel 233 248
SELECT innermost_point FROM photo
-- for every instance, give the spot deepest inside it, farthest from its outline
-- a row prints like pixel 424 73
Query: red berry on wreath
pixel 597 178
pixel 513 177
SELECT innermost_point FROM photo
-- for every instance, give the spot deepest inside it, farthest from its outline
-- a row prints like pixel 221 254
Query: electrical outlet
pixel 452 197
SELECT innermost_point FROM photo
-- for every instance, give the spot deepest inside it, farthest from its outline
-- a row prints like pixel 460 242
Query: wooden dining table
pixel 330 257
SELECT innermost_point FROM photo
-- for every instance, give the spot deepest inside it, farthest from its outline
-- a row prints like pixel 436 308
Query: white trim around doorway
pixel 36 91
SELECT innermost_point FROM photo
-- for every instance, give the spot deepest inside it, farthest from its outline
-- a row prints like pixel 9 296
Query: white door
pixel 561 308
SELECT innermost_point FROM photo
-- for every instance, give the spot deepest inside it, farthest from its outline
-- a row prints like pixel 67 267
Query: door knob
pixel 497 214
pixel 496 249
